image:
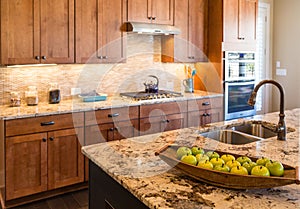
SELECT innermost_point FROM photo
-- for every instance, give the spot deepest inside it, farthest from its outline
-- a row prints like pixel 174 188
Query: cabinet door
pixel 20 31
pixel 247 20
pixel 240 21
pixel 126 129
pixel 163 11
pixel 65 161
pixel 197 32
pixel 139 11
pixel 151 11
pixel 26 165
pixel 190 45
pixel 99 37
pixel 57 31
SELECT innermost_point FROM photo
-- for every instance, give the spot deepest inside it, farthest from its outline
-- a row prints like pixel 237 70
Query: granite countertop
pixel 76 105
pixel 132 163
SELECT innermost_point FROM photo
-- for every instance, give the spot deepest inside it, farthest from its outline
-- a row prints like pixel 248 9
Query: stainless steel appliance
pixel 142 95
pixel 239 81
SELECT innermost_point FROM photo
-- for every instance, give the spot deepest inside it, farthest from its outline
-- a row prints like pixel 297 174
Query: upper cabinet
pixel 40 31
pixel 190 45
pixel 240 19
pixel 99 38
pixel 150 11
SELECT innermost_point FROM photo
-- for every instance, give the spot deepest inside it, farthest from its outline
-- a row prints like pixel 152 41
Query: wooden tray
pixel 228 180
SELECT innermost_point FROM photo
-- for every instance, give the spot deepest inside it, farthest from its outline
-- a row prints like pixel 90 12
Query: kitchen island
pixel 130 168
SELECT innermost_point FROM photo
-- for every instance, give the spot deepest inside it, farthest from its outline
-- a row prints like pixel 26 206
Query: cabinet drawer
pixel 111 115
pixel 42 124
pixel 205 104
pixel 163 109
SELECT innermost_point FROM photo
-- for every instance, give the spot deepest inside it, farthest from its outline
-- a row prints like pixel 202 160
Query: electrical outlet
pixel 75 91
pixel 281 72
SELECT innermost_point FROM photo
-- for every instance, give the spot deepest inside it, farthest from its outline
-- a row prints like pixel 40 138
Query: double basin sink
pixel 242 133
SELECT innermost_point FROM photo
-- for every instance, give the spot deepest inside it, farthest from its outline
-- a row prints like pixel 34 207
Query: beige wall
pixel 286 49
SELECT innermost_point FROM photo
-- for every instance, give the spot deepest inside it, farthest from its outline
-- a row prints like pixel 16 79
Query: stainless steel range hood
pixel 151 28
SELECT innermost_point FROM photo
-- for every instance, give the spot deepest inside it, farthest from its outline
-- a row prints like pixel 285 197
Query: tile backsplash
pixel 143 59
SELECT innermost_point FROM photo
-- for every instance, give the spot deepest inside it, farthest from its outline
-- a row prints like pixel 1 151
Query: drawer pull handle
pixel 166 121
pixel 44 139
pixel 50 123
pixel 111 129
pixel 206 114
pixel 51 138
pixel 205 104
pixel 113 115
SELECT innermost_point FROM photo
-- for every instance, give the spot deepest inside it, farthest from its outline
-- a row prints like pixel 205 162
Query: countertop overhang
pixel 132 163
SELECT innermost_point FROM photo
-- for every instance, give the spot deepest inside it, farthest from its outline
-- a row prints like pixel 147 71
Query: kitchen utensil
pixel 150 86
pixel 189 85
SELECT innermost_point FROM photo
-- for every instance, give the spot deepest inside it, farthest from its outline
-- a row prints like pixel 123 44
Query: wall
pixel 286 49
pixel 143 52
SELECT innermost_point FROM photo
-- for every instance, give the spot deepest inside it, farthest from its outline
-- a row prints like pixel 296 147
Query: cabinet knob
pixel 105 57
pixel 51 138
pixel 44 57
pixel 49 123
pixel 205 104
pixel 241 38
pixel 111 129
pixel 37 57
pixel 100 57
pixel 153 18
pixel 166 121
pixel 113 115
pixel 44 139
pixel 149 18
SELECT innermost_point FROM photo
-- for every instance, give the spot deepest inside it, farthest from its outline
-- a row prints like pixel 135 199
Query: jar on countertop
pixel 15 99
pixel 54 94
pixel 31 96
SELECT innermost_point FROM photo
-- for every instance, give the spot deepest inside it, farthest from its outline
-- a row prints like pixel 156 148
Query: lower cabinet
pixel 41 162
pixel 111 124
pixel 204 111
pixel 157 118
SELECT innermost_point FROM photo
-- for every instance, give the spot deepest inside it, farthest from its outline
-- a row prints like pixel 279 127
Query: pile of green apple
pixel 242 165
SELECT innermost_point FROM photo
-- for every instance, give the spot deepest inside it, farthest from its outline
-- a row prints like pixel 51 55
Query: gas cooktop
pixel 142 95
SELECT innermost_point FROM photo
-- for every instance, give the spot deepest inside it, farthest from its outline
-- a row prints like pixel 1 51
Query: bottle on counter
pixel 15 99
pixel 31 96
pixel 54 94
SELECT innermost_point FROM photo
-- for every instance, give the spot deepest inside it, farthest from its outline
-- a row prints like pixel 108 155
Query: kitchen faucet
pixel 281 128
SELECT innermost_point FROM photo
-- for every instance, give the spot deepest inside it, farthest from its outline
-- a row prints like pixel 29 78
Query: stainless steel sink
pixel 230 136
pixel 256 129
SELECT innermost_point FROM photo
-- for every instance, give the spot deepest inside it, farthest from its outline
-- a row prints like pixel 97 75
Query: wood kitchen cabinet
pixel 204 111
pixel 111 124
pixel 40 31
pixel 150 11
pixel 240 19
pixel 43 156
pixel 99 37
pixel 156 118
pixel 190 45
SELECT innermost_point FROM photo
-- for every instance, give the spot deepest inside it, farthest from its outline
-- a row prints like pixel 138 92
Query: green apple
pixel 217 161
pixel 205 164
pixel 189 159
pixel 260 170
pixel 197 150
pixel 223 168
pixel 233 163
pixel 275 168
pixel 249 166
pixel 243 159
pixel 262 161
pixel 201 157
pixel 212 154
pixel 227 157
pixel 239 170
pixel 181 151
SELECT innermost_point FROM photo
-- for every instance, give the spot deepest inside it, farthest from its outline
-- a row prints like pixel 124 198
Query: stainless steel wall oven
pixel 239 82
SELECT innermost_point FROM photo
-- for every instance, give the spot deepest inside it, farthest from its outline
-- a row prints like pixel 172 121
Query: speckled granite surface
pixel 132 163
pixel 76 105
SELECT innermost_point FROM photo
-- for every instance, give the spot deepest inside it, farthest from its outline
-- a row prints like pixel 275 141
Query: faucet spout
pixel 281 128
